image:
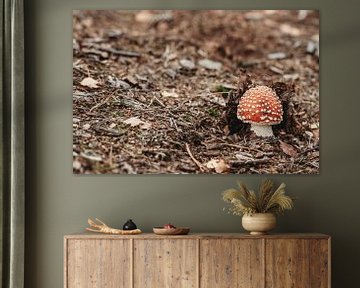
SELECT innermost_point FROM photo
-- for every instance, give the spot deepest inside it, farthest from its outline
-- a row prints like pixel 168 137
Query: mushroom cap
pixel 260 106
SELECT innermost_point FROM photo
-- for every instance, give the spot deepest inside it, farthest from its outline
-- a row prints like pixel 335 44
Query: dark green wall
pixel 59 202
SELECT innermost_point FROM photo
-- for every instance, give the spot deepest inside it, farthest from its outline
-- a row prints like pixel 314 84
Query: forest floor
pixel 156 91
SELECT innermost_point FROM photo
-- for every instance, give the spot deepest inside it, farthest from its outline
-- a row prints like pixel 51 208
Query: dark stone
pixel 129 225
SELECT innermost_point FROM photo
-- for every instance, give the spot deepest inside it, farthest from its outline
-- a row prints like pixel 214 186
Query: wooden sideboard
pixel 197 260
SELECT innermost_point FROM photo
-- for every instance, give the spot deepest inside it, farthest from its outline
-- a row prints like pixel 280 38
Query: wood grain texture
pixel 197 260
pixel 165 263
pixel 98 264
pixel 88 235
pixel 287 263
pixel 319 263
pixel 231 263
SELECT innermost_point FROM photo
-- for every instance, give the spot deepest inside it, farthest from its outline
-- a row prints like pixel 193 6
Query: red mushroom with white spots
pixel 261 107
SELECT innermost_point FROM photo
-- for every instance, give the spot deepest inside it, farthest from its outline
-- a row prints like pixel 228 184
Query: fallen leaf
pixel 224 87
pixel 302 14
pixel 291 76
pixel 316 133
pixel 219 165
pixel 86 126
pixel 314 125
pixel 311 47
pixel 114 34
pixel 90 82
pixel 254 15
pixel 187 64
pixel 102 54
pixel 290 30
pixel 131 80
pixel 141 78
pixel 276 70
pixel 145 126
pixel 81 95
pixel 117 83
pixel 288 149
pixel 215 99
pixel 108 130
pixel 276 56
pixel 169 94
pixel 76 165
pixel 127 168
pixel 243 156
pixel 91 155
pixel 171 73
pixel 226 130
pixel 76 45
pixel 87 22
pixel 209 64
pixel 135 121
pixel 144 16
pixel 315 37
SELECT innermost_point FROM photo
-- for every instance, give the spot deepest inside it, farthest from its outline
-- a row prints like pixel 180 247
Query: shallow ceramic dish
pixel 171 231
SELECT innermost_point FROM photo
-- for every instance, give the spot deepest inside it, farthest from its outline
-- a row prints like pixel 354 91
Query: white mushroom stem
pixel 262 130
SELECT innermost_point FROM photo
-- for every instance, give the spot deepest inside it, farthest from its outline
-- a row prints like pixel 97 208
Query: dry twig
pixel 201 167
pixel 101 227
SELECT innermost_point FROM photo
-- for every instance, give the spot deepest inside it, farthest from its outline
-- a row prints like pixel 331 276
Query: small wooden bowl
pixel 171 231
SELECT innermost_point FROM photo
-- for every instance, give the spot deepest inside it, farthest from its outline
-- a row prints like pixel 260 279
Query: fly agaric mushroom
pixel 261 107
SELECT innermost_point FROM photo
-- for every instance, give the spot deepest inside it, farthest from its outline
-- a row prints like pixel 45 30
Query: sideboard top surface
pixel 86 235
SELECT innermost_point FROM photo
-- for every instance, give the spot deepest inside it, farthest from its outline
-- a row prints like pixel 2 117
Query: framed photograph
pixel 189 92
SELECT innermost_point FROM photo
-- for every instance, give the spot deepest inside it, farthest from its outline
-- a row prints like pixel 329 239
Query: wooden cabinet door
pixel 165 263
pixel 287 263
pixel 231 263
pixel 98 263
pixel 297 263
pixel 320 263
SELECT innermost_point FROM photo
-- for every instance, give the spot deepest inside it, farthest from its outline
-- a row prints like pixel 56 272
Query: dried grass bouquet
pixel 246 202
